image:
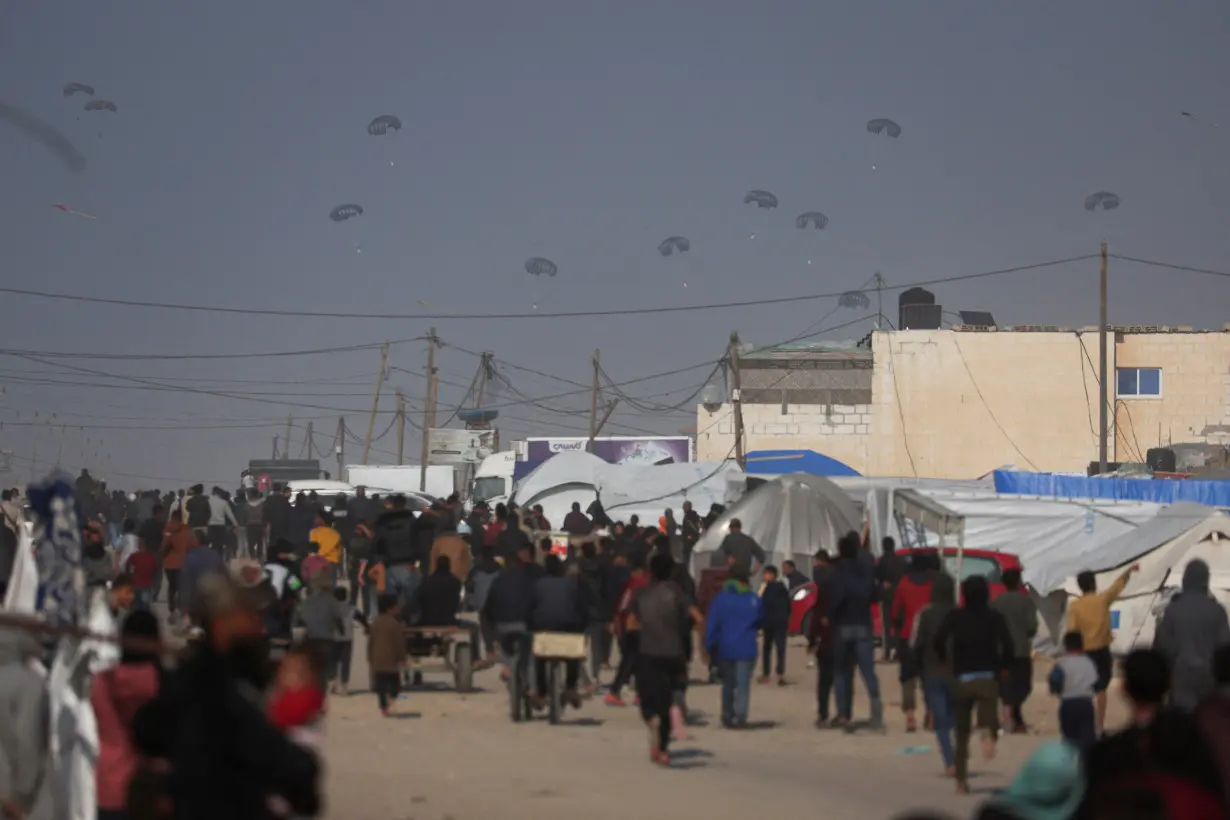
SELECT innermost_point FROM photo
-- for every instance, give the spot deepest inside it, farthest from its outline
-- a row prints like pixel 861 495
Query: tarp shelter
pixel 790 517
pixel 783 462
pixel 625 489
pixel 1163 548
pixel 1214 493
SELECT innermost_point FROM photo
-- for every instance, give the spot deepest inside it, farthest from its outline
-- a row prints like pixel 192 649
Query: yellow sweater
pixel 1090 614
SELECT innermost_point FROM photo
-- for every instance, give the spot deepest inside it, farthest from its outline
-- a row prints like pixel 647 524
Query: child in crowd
pixel 343 641
pixel 386 652
pixel 776 600
pixel 297 701
pixel 1073 680
pixel 142 565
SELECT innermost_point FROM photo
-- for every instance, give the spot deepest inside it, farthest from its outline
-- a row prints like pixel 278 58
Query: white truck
pixel 493 478
pixel 405 478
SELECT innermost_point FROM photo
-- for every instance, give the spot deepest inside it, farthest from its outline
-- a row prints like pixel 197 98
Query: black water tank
pixel 916 310
pixel 1161 460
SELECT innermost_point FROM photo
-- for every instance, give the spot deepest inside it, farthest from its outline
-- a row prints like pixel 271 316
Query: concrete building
pixel 957 403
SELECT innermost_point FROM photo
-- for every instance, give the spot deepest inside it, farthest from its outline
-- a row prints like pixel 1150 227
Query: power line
pixel 645 311
pixel 143 357
pixel 1171 266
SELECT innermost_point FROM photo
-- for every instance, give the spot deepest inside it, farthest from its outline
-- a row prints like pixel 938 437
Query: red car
pixel 987 563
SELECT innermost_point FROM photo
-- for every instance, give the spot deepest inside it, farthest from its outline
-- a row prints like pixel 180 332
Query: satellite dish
pixel 711 398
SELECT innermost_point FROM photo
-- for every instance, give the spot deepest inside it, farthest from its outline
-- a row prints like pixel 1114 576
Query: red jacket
pixel 116 695
pixel 626 594
pixel 913 593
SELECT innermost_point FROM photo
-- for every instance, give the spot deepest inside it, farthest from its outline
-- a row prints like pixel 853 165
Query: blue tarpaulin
pixel 782 462
pixel 1157 490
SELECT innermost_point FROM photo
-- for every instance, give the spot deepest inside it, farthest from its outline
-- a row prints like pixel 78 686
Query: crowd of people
pixel 231 712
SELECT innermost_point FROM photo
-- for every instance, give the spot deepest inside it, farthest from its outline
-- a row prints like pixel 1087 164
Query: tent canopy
pixel 790 517
pixel 933 515
pixel 781 462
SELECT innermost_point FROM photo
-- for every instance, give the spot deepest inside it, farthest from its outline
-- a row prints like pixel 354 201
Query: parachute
pixel 43 133
pixel 674 243
pixel 343 212
pixel 881 125
pixel 854 300
pixel 1102 199
pixel 101 105
pixel 383 124
pixel 538 266
pixel 760 198
pixel 78 88
pixel 816 219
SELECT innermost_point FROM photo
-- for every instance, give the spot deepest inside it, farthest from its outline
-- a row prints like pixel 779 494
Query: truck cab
pixel 493 479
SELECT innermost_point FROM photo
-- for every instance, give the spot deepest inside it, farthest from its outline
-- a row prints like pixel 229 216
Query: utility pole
pixel 340 447
pixel 736 399
pixel 401 428
pixel 481 389
pixel 275 449
pixel 429 409
pixel 593 403
pixel 879 299
pixel 290 420
pixel 371 420
pixel 309 444
pixel 610 408
pixel 1102 366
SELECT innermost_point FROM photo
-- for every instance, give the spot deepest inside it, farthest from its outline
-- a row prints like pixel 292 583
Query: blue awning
pixel 1214 493
pixel 781 462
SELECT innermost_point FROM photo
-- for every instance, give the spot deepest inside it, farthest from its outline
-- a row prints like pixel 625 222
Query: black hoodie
pixel 980 641
pixel 593 579
pixel 396 539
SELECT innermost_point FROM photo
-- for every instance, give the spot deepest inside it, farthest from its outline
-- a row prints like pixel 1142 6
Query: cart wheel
pixel 463 667
pixel 555 693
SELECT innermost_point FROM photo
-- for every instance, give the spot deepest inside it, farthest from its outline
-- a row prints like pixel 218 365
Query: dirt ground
pixel 460 756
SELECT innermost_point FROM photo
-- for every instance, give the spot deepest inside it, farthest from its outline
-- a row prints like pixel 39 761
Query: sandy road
pixel 461 757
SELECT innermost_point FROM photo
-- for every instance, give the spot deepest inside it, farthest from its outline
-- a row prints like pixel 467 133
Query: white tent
pixel 625 489
pixel 790 517
pixel 1163 548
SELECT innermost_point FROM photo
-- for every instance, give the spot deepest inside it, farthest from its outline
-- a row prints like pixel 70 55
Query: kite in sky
pixel 69 210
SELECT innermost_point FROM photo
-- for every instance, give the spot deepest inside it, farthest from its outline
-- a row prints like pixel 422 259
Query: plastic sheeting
pixel 784 462
pixel 1157 490
pixel 626 490
pixel 790 517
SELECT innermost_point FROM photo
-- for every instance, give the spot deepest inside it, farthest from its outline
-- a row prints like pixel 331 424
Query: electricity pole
pixel 309 445
pixel 429 409
pixel 736 399
pixel 371 420
pixel 401 428
pixel 593 403
pixel 340 447
pixel 290 420
pixel 1103 422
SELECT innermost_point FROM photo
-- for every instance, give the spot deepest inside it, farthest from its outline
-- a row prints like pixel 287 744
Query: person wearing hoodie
pixel 1050 786
pixel 776 624
pixel 976 641
pixel 24 730
pixel 912 593
pixel 731 624
pixel 1021 614
pixel 1192 628
pixel 116 695
pixel 396 545
pixel 559 605
pixel 509 605
pixel 478 586
pixel 935 673
pixel 851 593
pixel 593 579
pixel 177 541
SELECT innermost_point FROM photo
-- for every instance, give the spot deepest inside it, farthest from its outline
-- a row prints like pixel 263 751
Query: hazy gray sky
pixel 581 131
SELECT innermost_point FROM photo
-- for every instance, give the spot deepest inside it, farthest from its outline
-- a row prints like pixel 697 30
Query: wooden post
pixel 593 403
pixel 736 399
pixel 371 420
pixel 401 428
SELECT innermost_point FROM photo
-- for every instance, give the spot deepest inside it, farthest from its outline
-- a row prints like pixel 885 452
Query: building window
pixel 1136 382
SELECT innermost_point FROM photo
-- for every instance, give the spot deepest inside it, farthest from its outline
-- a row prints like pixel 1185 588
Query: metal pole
pixel 371 420
pixel 1103 421
pixel 736 399
pixel 431 371
pixel 593 403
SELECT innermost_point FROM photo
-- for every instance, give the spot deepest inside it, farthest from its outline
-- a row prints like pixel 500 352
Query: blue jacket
pixel 734 618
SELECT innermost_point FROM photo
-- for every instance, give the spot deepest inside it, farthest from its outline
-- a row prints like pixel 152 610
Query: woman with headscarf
pixel 116 695
pixel 1050 786
pixel 1192 628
